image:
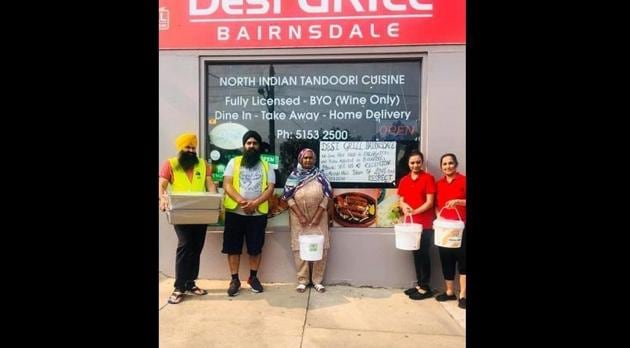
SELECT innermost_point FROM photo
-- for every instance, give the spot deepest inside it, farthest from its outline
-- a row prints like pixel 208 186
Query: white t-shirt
pixel 250 181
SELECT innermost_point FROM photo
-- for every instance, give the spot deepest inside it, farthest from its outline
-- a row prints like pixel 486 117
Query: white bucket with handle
pixel 311 247
pixel 408 235
pixel 448 233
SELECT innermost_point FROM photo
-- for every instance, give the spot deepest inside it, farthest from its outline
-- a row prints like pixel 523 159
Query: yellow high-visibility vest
pixel 231 204
pixel 180 179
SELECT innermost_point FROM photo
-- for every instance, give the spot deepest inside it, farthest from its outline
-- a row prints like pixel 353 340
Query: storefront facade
pixel 360 82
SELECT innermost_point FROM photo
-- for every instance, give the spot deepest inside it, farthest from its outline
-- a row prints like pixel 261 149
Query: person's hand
pixel 163 203
pixel 407 210
pixel 249 207
pixel 303 220
pixel 451 204
pixel 315 220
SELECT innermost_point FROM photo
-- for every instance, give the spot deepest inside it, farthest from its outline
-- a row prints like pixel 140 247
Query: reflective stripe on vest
pixel 181 183
pixel 231 204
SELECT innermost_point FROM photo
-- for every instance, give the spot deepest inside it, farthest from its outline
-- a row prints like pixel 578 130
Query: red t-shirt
pixel 415 194
pixel 446 191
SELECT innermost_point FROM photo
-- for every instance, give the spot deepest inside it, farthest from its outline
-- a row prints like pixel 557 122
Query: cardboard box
pixel 192 216
pixel 195 200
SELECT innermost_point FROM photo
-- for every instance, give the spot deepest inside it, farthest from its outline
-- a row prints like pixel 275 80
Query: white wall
pixel 357 256
pixel 446 110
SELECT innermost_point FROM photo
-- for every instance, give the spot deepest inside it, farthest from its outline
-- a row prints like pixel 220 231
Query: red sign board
pixel 218 24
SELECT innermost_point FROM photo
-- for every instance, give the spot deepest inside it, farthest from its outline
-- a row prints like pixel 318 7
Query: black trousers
pixel 190 239
pixel 422 260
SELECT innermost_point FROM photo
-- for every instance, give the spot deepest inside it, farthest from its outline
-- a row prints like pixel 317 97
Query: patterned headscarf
pixel 301 176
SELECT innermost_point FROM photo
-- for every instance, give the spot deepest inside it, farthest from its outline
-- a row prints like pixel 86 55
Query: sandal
pixel 195 290
pixel 319 288
pixel 301 288
pixel 176 297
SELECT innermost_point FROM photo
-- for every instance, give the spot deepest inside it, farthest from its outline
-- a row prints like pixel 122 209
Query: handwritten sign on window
pixel 358 161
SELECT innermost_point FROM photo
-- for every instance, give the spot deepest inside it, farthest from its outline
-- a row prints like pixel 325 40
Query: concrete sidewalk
pixel 343 316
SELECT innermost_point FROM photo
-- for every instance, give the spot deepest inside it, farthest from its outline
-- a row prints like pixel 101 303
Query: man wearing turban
pixel 248 183
pixel 186 173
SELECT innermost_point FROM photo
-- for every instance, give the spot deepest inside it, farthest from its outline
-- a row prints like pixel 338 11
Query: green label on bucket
pixel 312 247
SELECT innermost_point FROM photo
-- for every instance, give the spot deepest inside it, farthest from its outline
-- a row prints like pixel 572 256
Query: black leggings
pixel 452 256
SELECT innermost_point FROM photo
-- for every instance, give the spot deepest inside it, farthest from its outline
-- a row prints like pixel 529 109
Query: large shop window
pixel 360 118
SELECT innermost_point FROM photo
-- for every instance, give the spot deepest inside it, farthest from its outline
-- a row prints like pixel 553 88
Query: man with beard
pixel 186 173
pixel 248 183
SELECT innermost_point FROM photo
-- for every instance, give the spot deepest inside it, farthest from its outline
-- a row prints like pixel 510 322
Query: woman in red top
pixel 416 191
pixel 451 193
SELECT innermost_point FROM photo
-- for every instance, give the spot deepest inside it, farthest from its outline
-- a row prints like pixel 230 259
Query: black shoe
pixel 235 285
pixel 421 296
pixel 424 287
pixel 411 291
pixel 444 297
pixel 255 284
pixel 462 303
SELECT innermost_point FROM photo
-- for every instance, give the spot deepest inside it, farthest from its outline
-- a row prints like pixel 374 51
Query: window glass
pixel 364 115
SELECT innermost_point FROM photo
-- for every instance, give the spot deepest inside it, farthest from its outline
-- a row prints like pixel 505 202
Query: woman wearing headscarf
pixel 307 192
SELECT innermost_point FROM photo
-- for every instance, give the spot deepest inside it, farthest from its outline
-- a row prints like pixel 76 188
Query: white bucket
pixel 448 233
pixel 311 247
pixel 408 235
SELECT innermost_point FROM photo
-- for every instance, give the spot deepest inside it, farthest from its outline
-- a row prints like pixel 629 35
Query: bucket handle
pixel 318 229
pixel 408 216
pixel 311 228
pixel 457 211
